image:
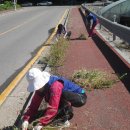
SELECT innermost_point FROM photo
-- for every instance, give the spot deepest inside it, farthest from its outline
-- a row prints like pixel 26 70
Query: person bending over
pixel 91 22
pixel 60 94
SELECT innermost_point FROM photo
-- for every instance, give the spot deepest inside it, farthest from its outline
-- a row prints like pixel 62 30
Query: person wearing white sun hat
pixel 60 93
pixel 36 79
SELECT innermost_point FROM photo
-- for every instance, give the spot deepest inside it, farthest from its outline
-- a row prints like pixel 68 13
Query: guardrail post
pixel 114 20
pixel 100 26
pixel 15 4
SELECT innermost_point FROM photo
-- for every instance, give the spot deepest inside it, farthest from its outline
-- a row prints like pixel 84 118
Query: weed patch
pixel 55 58
pixel 94 79
pixel 82 37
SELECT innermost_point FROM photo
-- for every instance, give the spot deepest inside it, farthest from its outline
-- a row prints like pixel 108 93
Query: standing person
pixel 60 93
pixel 91 21
pixel 61 31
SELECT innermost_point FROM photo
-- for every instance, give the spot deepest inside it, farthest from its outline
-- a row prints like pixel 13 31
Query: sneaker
pixel 66 123
pixel 61 124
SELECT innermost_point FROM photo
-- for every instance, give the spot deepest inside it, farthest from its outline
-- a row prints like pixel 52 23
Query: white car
pixel 42 3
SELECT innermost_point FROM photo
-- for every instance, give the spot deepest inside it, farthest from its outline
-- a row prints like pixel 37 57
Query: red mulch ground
pixel 107 109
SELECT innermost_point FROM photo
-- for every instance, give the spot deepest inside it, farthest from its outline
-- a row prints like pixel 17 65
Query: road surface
pixel 22 32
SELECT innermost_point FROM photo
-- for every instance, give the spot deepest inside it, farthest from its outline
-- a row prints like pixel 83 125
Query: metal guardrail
pixel 117 29
pixel 118 8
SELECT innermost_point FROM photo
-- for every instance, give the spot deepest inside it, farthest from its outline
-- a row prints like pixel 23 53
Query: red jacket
pixel 55 92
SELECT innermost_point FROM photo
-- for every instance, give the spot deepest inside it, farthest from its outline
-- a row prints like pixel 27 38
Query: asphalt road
pixel 21 33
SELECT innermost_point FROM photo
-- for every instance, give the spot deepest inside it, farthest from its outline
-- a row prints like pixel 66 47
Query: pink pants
pixel 91 32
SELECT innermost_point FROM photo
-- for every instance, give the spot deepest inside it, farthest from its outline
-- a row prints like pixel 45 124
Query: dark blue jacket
pixel 92 17
pixel 68 85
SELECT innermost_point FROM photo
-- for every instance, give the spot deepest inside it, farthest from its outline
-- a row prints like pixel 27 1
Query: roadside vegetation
pixel 56 55
pixel 95 79
pixel 88 79
pixel 7 5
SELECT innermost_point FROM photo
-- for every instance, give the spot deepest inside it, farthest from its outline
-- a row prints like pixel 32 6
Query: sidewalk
pixel 107 109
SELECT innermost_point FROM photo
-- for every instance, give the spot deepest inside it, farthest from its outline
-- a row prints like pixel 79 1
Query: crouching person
pixel 60 94
pixel 61 32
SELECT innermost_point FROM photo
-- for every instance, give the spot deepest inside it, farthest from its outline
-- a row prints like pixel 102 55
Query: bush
pixel 7 5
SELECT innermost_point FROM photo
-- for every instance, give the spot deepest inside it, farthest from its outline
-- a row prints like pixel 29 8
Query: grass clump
pixel 93 79
pixel 82 37
pixel 56 55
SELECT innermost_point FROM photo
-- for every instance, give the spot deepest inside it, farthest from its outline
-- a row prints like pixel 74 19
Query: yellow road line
pixel 17 79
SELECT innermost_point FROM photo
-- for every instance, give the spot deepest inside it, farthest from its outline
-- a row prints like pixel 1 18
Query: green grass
pixel 93 79
pixel 56 55
pixel 8 5
pixel 30 128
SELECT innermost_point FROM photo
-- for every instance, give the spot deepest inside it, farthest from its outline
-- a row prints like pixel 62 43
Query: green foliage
pixel 49 128
pixel 93 79
pixel 56 55
pixel 7 5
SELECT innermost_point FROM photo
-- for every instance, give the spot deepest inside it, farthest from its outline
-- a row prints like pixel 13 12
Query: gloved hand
pixel 25 125
pixel 38 127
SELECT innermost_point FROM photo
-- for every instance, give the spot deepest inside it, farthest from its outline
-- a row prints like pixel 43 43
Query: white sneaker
pixel 64 124
pixel 61 124
pixel 67 124
pixel 37 128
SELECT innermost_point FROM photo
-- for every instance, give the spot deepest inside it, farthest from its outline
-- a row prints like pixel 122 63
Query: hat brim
pixel 38 82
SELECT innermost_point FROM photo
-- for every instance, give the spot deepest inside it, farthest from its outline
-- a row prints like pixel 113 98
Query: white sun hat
pixel 36 79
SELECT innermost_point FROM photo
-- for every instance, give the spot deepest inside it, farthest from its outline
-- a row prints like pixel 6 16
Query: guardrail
pixel 118 8
pixel 117 29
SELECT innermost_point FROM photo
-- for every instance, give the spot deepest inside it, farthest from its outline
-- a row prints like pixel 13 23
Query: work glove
pixel 25 125
pixel 38 127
